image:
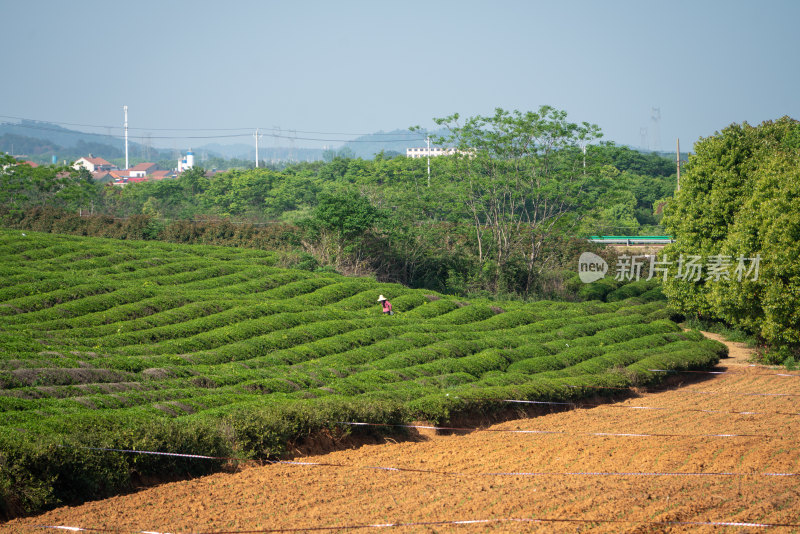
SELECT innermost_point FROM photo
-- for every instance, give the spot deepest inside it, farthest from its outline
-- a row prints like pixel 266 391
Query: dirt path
pixel 738 353
pixel 732 487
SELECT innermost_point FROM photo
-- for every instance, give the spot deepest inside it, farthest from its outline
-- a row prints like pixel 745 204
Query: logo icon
pixel 591 267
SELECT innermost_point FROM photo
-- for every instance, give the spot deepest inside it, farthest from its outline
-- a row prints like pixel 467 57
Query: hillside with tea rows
pixel 218 351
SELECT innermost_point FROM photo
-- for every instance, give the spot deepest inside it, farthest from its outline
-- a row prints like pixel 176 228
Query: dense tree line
pixel 498 216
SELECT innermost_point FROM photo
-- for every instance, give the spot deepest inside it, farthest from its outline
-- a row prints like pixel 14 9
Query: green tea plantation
pixel 142 345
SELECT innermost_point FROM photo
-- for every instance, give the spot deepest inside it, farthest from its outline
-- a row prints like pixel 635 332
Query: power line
pixel 417 136
pixel 117 126
pixel 412 135
pixel 348 140
pixel 222 136
pixel 105 135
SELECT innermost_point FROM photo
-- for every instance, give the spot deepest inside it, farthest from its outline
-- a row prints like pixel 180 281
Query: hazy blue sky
pixel 363 66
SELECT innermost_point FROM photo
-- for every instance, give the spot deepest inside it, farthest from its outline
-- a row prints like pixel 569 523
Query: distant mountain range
pixel 248 152
pixel 58 135
pixel 394 141
pixel 44 142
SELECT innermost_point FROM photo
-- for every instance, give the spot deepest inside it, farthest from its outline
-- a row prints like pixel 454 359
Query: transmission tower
pixel 278 147
pixel 655 120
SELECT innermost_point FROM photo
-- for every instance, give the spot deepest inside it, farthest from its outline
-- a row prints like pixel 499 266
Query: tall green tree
pixel 523 176
pixel 739 201
pixel 76 190
pixel 15 183
pixel 23 186
pixel 240 192
pixel 340 221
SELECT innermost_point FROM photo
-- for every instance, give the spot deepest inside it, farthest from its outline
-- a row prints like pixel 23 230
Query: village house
pixel 93 164
pixel 141 170
pixel 104 171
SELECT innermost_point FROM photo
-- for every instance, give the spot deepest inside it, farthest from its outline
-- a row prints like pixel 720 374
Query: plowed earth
pixel 576 481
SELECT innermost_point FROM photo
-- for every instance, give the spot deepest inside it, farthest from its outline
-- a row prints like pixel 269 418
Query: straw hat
pixel 381 298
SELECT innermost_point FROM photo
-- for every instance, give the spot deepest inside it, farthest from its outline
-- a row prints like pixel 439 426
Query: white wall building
pixel 93 164
pixel 424 152
pixel 141 170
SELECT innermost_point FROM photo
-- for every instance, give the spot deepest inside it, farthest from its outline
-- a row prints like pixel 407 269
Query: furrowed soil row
pixel 298 496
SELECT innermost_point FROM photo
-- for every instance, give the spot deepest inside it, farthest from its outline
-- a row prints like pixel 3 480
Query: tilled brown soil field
pixel 690 460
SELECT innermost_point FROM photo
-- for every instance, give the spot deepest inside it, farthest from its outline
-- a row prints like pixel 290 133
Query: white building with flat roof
pixel 424 152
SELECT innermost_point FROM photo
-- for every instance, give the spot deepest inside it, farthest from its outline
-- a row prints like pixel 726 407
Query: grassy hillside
pixel 214 351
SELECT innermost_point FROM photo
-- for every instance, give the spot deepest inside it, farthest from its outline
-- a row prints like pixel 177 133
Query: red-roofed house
pixel 119 177
pixel 143 169
pixel 143 172
pixel 159 175
pixel 102 176
pixel 93 164
pixel 20 162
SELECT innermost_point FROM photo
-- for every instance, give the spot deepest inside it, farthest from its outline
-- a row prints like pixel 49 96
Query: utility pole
pixel 583 147
pixel 125 109
pixel 678 161
pixel 428 139
pixel 256 135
